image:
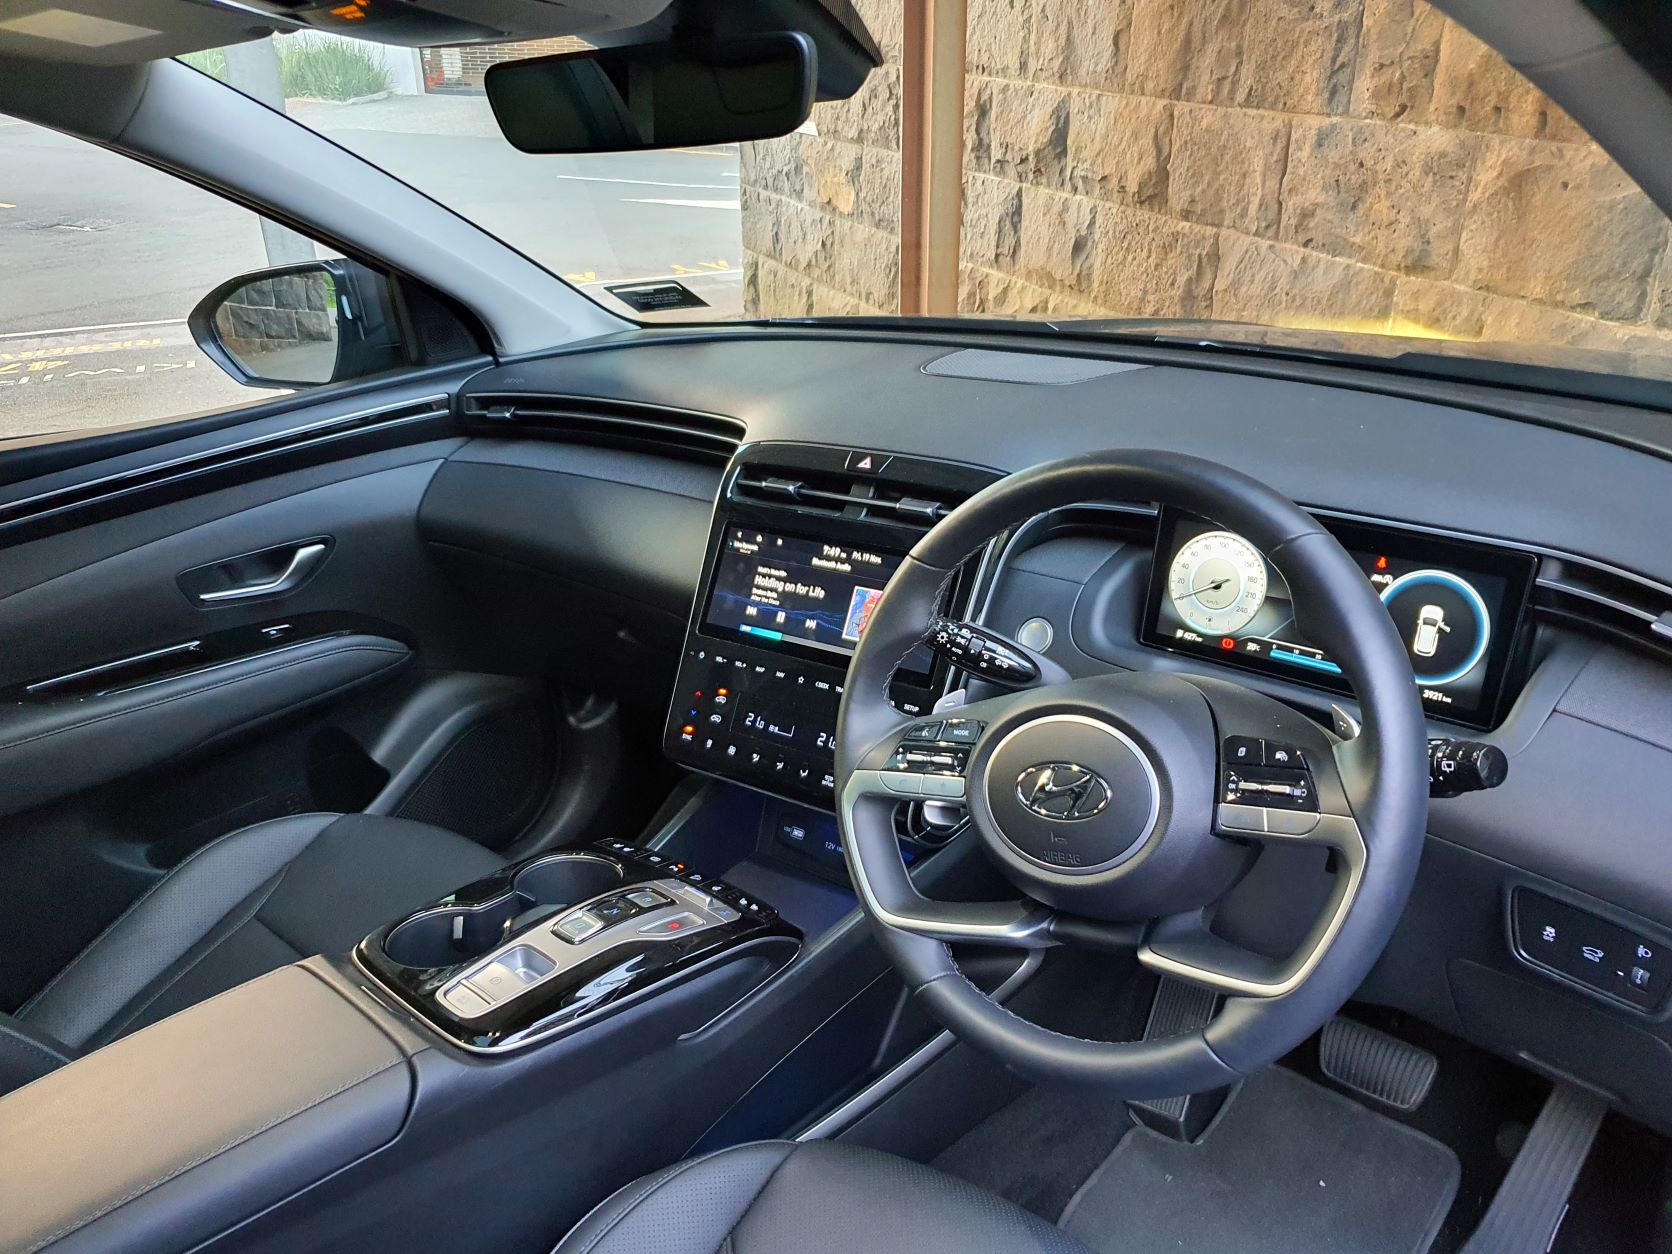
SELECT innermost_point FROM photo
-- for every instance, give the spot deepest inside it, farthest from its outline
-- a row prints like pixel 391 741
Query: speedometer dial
pixel 1217 582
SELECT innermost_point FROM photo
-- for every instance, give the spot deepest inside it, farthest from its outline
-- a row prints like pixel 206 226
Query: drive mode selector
pixel 1071 793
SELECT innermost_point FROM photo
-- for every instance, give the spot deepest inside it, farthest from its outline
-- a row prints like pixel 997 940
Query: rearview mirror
pixel 664 95
pixel 301 326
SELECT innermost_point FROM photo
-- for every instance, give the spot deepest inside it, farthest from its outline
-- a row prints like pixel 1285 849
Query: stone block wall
pixel 1344 164
pixel 284 327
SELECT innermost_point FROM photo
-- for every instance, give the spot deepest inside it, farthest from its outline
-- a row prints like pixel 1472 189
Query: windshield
pixel 1302 176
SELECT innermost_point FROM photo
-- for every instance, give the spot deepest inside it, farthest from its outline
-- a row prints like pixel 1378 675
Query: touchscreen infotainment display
pixel 773 588
pixel 1457 607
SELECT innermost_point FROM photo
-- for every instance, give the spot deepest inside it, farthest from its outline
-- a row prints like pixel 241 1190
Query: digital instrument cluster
pixel 1457 606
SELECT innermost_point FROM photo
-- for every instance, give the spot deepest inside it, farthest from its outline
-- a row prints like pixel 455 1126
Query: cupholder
pixel 447 936
pixel 443 937
pixel 563 879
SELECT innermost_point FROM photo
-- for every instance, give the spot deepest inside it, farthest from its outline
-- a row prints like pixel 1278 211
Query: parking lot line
pixel 681 204
pixel 598 178
pixel 106 326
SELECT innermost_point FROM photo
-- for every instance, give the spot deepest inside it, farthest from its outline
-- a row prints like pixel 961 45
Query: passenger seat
pixel 252 901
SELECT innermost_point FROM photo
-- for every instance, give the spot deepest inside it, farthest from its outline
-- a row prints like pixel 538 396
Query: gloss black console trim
pixel 420 959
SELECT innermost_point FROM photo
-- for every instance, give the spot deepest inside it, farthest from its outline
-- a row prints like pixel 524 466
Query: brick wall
pixel 463 65
pixel 1352 164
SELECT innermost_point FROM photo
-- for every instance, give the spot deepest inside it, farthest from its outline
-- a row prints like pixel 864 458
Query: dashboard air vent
pixel 846 496
pixel 1612 600
pixel 683 433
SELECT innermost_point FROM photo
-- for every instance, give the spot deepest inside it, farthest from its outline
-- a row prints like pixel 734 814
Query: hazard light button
pixel 867 462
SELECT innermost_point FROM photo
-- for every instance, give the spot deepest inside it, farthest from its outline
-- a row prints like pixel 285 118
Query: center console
pixel 803 542
pixel 546 945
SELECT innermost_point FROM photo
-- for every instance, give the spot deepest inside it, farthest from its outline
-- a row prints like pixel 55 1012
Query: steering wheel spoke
pixel 1185 946
pixel 891 898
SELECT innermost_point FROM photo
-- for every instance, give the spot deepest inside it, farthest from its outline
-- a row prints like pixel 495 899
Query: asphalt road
pixel 103 258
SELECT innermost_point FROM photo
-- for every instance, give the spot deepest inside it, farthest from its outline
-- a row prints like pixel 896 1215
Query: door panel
pixel 60 745
pixel 198 717
pixel 130 601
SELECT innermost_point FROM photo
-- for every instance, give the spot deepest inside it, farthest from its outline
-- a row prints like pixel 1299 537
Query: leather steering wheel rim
pixel 1382 772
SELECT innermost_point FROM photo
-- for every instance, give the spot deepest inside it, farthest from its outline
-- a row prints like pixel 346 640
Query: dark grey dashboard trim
pixel 1652 434
pixel 168 472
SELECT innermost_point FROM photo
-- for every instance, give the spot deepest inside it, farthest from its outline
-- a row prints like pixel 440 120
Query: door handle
pixel 303 563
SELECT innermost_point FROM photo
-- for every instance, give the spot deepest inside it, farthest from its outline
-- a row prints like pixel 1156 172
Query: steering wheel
pixel 1118 807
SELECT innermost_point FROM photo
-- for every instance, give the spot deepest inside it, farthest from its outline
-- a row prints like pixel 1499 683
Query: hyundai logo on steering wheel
pixel 1062 790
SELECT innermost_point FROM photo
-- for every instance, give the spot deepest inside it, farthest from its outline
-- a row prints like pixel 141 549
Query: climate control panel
pixel 758 717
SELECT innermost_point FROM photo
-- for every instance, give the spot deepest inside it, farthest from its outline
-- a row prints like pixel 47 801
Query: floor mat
pixel 1287 1166
pixel 1038 1149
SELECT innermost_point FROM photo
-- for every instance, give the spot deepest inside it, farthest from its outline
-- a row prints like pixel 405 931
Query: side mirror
pixel 301 326
pixel 677 94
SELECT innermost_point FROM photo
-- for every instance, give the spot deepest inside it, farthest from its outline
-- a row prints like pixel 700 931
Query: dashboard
pixel 1523 562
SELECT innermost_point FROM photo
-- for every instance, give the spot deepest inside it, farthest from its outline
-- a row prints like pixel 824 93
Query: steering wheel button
pixel 1243 751
pixel 1281 755
pixel 1290 822
pixel 960 731
pixel 1242 818
pixel 924 731
pixel 903 782
pixel 944 786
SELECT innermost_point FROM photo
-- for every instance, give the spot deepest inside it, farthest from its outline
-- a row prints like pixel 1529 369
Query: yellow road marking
pixel 719 266
pixel 66 350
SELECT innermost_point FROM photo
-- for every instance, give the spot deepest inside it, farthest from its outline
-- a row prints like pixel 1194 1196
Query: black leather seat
pixel 779 1197
pixel 248 903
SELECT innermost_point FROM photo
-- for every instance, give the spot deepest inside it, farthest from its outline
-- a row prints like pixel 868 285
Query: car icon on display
pixel 1431 621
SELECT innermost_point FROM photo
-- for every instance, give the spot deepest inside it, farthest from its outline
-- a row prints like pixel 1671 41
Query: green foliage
pixel 329 69
pixel 211 61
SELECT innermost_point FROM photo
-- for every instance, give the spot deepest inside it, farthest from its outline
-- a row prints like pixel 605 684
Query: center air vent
pixel 684 433
pixel 822 492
